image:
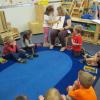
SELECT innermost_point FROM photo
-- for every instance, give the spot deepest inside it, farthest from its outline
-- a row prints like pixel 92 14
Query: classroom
pixel 50 49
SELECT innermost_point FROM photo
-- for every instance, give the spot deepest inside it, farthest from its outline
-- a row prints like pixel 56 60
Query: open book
pixel 60 23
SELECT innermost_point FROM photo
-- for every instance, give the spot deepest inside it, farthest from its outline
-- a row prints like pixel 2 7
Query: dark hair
pixel 26 35
pixel 21 98
pixel 49 9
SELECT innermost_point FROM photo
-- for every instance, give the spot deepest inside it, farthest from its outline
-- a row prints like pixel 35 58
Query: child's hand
pixel 40 97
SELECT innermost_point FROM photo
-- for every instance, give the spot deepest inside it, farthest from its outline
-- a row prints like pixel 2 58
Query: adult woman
pixel 63 32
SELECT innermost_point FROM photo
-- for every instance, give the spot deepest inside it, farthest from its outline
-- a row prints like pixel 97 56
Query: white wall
pixel 20 16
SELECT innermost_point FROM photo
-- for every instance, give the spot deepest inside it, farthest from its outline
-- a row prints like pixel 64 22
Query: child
pixel 98 8
pixel 52 94
pixel 12 51
pixel 93 8
pixel 93 60
pixel 88 15
pixel 77 40
pixel 82 88
pixel 48 22
pixel 28 45
pixel 21 98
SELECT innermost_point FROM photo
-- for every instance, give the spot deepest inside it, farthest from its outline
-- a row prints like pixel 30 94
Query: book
pixel 90 69
pixel 60 23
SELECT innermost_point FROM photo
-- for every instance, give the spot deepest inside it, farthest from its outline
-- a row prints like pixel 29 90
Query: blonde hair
pixel 64 11
pixel 52 94
pixel 78 28
pixel 8 39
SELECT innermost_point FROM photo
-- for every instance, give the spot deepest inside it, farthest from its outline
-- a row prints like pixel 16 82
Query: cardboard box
pixel 36 27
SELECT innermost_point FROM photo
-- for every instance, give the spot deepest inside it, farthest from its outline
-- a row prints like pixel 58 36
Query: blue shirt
pixel 87 16
pixel 66 18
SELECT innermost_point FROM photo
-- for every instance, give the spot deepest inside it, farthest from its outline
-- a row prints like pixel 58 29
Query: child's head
pixel 78 29
pixel 9 39
pixel 86 79
pixel 21 98
pixel 27 35
pixel 49 10
pixel 52 94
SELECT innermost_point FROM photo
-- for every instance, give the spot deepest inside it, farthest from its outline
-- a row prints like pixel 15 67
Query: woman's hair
pixel 21 98
pixel 52 94
pixel 78 28
pixel 49 9
pixel 64 11
pixel 26 35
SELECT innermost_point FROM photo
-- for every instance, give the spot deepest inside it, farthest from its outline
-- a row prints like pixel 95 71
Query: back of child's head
pixel 86 79
pixel 52 94
pixel 21 98
pixel 78 28
pixel 49 10
pixel 27 35
pixel 9 39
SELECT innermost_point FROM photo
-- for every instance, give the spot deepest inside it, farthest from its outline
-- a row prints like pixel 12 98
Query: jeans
pixel 16 55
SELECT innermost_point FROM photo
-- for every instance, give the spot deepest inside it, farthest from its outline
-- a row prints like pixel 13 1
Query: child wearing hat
pixel 12 51
pixel 82 88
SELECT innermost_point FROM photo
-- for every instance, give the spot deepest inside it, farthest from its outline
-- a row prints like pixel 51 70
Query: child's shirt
pixel 9 49
pixel 77 39
pixel 87 16
pixel 46 19
pixel 83 94
pixel 28 43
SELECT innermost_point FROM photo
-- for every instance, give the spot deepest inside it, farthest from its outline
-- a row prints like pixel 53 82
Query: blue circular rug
pixel 36 76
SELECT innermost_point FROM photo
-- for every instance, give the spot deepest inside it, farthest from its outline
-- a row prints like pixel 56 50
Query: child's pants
pixel 16 56
pixel 46 33
pixel 76 53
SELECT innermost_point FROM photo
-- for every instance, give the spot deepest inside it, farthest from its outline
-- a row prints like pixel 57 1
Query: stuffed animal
pixel 2 60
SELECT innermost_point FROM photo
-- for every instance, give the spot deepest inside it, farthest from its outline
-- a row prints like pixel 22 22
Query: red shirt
pixel 9 49
pixel 77 39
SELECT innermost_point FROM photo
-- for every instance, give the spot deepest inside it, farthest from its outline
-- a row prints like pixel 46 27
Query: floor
pixel 90 48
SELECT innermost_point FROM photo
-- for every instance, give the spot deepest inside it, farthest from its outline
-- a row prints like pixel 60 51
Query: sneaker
pixel 51 46
pixel 35 55
pixel 20 60
pixel 28 56
pixel 62 49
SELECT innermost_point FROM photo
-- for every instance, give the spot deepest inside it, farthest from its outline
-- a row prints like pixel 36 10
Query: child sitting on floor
pixel 92 60
pixel 28 45
pixel 82 88
pixel 52 94
pixel 77 40
pixel 21 98
pixel 12 51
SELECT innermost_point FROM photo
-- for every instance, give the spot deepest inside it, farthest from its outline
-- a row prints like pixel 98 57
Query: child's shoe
pixel 35 55
pixel 28 56
pixel 20 60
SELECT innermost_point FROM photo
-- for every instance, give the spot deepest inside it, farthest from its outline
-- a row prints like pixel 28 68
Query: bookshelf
pixel 91 30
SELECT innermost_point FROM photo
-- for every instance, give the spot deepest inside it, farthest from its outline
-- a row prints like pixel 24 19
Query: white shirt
pixel 46 19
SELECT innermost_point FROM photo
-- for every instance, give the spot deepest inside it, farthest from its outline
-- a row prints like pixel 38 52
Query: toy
pixel 2 60
pixel 90 69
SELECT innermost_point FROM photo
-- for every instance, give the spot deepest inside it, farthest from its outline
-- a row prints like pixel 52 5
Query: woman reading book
pixel 61 33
